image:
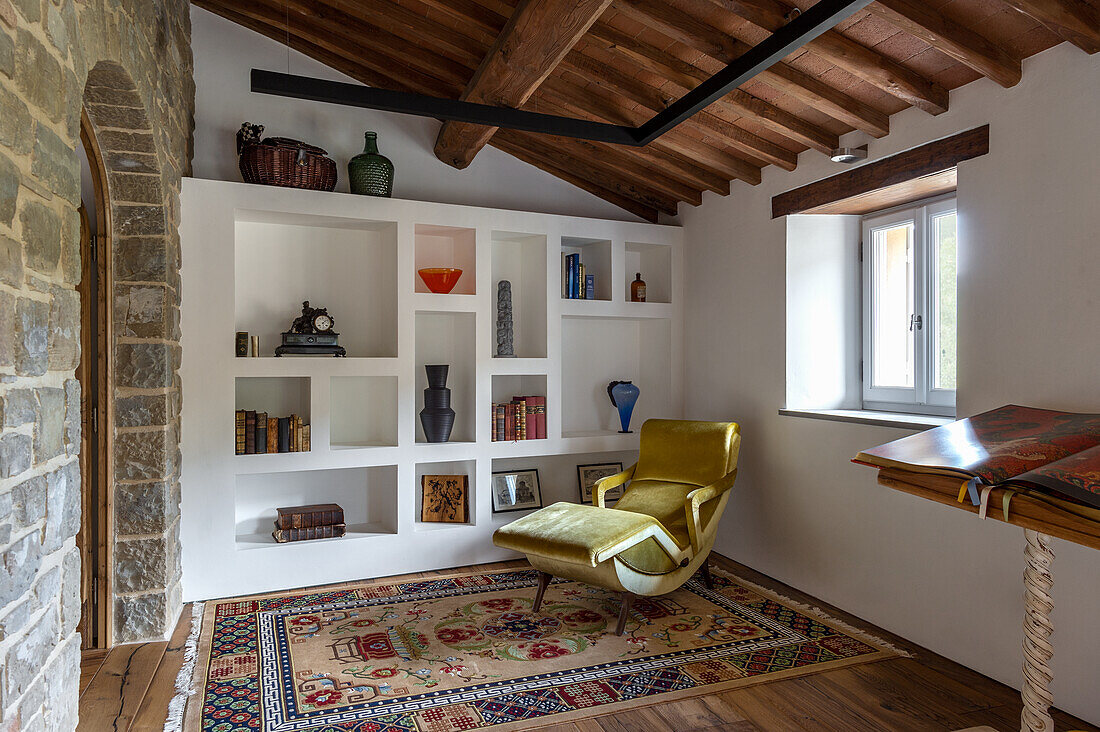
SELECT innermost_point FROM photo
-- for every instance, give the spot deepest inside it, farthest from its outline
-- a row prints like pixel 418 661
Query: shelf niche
pixel 345 265
pixel 558 479
pixel 363 411
pixel 448 338
pixel 521 259
pixel 447 246
pixel 279 396
pixel 630 349
pixel 367 495
pixel 654 262
pixel 596 258
pixel 459 467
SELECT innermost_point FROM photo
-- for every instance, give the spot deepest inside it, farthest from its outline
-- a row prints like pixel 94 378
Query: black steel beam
pixel 803 29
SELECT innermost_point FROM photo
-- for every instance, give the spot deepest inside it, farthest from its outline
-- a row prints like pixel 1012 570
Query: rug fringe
pixel 812 610
pixel 184 682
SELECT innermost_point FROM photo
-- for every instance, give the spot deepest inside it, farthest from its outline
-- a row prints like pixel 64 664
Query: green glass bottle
pixel 369 173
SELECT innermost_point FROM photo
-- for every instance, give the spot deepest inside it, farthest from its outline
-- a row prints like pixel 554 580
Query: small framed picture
pixel 588 475
pixel 445 499
pixel 516 490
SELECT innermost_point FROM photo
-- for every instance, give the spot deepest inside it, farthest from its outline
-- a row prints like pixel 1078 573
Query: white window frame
pixel 922 398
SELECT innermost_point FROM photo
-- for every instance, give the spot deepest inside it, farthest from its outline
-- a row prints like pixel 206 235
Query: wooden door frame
pixel 95 257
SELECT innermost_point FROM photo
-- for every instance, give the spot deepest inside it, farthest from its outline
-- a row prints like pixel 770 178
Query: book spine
pixel 590 287
pixel 309 519
pixel 565 276
pixel 540 417
pixel 582 282
pixel 284 434
pixel 293 433
pixel 261 433
pixel 500 419
pixel 298 434
pixel 493 421
pixel 569 276
pixel 312 532
pixel 521 418
pixel 273 434
pixel 306 444
pixel 509 423
pixel 238 429
pixel 531 419
pixel 576 273
pixel 249 433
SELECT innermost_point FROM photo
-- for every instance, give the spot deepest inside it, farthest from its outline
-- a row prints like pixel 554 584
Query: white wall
pixel 224 55
pixel 1029 304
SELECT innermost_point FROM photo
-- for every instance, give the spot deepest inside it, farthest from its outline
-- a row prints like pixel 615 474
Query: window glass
pixel 892 294
pixel 945 267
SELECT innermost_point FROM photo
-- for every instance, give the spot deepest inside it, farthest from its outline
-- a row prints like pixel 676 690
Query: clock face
pixel 322 323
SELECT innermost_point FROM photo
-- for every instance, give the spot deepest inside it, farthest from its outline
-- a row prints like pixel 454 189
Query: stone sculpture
pixel 505 333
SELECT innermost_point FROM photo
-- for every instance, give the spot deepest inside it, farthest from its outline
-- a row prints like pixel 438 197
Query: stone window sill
pixel 900 420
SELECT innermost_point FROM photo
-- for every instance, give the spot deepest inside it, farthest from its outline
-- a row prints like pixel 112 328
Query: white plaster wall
pixel 1029 305
pixel 224 55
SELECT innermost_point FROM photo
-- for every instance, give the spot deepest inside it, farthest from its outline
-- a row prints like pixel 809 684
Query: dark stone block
pixel 141 508
pixel 16 123
pixel 38 75
pixel 64 338
pixel 140 259
pixel 140 618
pixel 143 365
pixel 18 407
pixel 63 505
pixel 9 189
pixel 142 456
pixel 31 325
pixel 49 424
pixel 143 410
pixel 140 565
pixel 55 164
pixel 41 236
pixel 11 261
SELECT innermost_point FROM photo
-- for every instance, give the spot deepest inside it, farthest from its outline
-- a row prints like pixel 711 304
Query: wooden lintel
pixel 536 38
pixel 933 157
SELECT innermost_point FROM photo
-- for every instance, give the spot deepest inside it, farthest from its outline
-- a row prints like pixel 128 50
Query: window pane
pixel 945 268
pixel 892 303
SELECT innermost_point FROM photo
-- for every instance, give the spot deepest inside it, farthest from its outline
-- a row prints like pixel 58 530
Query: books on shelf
pixel 1050 455
pixel 523 418
pixel 315 521
pixel 256 433
pixel 576 282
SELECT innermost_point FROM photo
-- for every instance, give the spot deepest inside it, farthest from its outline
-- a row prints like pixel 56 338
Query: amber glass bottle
pixel 637 288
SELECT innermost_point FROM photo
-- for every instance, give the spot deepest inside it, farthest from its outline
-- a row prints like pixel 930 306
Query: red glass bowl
pixel 440 280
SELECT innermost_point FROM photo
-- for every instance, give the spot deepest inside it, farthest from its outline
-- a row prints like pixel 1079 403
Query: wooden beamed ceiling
pixel 622 61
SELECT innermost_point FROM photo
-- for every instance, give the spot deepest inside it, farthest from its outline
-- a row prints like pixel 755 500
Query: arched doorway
pixel 93 374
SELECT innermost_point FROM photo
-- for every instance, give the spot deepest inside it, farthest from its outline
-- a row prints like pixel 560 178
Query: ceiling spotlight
pixel 849 154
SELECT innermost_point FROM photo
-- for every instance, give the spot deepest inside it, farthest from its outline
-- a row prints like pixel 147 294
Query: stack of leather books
pixel 302 523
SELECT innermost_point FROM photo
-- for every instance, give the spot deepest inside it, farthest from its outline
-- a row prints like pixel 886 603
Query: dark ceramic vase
pixel 623 396
pixel 437 418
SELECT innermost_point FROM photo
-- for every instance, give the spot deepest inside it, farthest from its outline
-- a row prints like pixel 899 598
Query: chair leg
pixel 708 580
pixel 624 612
pixel 544 582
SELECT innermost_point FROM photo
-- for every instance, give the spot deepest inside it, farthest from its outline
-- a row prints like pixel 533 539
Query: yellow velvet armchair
pixel 658 534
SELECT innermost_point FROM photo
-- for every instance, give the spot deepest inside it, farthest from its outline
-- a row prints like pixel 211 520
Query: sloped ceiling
pixel 621 61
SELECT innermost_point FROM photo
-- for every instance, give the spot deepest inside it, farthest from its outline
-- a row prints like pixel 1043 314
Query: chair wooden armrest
pixel 695 500
pixel 603 485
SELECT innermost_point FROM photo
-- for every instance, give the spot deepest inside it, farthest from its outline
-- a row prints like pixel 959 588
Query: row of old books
pixel 523 418
pixel 576 283
pixel 256 433
pixel 315 521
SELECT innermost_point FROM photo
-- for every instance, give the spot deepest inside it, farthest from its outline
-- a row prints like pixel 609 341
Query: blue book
pixel 590 287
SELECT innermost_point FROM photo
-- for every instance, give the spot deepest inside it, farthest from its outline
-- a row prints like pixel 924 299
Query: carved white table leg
pixel 1038 627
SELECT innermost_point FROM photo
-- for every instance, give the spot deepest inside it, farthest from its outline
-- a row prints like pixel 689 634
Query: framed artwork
pixel 445 499
pixel 588 475
pixel 516 490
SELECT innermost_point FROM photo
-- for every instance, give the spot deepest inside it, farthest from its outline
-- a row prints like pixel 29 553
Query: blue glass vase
pixel 623 397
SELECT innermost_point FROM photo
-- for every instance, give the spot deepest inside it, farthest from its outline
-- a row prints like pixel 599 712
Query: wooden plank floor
pixel 129 689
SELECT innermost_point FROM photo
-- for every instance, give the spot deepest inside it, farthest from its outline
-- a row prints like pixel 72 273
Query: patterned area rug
pixel 467 652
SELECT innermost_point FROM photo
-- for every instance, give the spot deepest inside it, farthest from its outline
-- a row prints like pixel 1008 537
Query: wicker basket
pixel 280 161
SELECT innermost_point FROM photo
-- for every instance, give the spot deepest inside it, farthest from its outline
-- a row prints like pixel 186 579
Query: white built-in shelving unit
pixel 252 254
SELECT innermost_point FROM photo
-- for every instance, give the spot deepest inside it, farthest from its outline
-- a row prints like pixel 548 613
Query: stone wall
pixel 129 63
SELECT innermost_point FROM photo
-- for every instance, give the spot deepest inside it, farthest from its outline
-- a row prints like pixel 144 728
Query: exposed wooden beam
pixel 553 165
pixel 559 96
pixel 934 157
pixel 536 38
pixel 593 168
pixel 684 139
pixel 759 149
pixel 782 77
pixel 1073 20
pixel 860 61
pixel 372 66
pixel 918 19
